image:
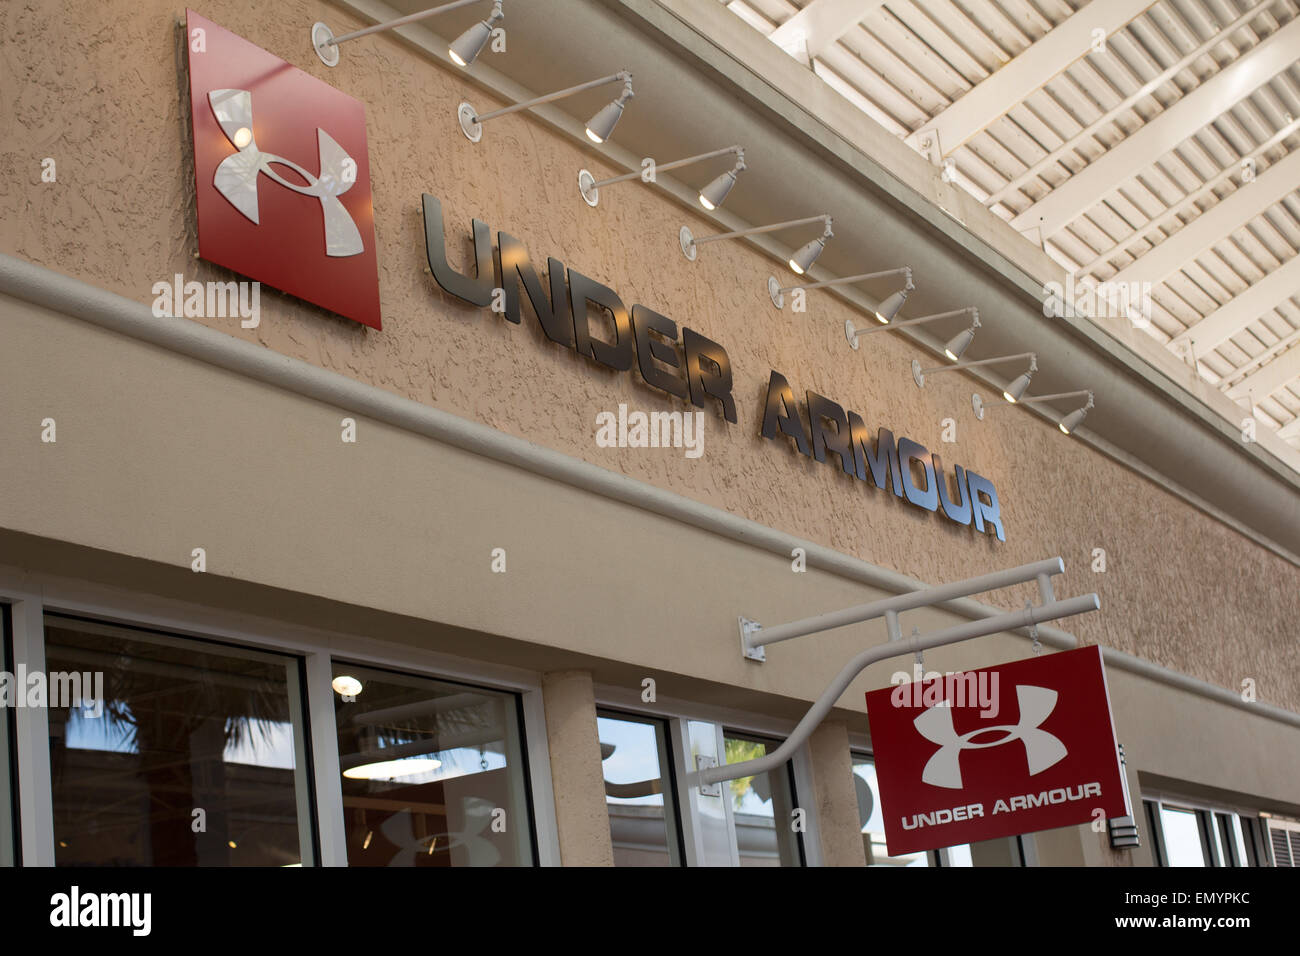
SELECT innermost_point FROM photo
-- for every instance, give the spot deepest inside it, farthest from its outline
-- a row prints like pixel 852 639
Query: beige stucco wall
pixel 106 102
pixel 158 454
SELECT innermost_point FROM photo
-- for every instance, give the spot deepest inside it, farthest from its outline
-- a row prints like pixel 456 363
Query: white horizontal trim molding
pixel 76 299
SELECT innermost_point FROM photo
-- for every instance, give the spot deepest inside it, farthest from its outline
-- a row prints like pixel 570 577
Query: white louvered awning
pixel 1136 142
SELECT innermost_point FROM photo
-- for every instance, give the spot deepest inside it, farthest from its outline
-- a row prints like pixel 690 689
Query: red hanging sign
pixel 993 752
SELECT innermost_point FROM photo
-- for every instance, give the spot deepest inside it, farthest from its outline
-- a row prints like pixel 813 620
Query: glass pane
pixel 8 832
pixel 1182 837
pixel 642 821
pixel 1232 845
pixel 172 752
pixel 762 808
pixel 1239 841
pixel 959 855
pixel 873 823
pixel 432 772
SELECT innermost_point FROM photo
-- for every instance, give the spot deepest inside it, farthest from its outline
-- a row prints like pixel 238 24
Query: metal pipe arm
pixel 846 280
pixel 756 230
pixel 989 361
pixel 664 167
pixel 1038 399
pixel 625 76
pixel 925 318
pixel 905 602
pixel 910 645
pixel 400 21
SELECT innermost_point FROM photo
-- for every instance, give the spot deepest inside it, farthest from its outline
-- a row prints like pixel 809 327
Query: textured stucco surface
pixel 581 817
pixel 837 802
pixel 107 103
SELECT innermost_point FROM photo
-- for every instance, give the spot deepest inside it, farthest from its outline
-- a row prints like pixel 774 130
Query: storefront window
pixel 167 751
pixel 873 823
pixel 762 808
pixel 959 855
pixel 8 831
pixel 1182 837
pixel 1230 839
pixel 433 773
pixel 638 792
pixel 1184 834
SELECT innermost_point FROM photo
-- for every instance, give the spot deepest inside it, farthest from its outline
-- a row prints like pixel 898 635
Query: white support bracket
pixel 752 652
pixel 703 762
pixel 1012 620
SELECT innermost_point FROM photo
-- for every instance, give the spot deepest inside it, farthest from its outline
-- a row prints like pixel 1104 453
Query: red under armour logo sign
pixel 1042 750
pixel 282 175
pixel 981 754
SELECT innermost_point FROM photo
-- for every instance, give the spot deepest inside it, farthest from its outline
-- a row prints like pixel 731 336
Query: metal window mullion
pixel 733 839
pixel 688 804
pixel 326 776
pixel 1209 838
pixel 539 779
pixel 32 732
pixel 805 799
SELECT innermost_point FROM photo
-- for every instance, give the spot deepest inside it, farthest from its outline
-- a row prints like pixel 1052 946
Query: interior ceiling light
pixel 799 262
pixel 599 127
pixel 462 52
pixel 777 293
pixel 393 769
pixel 1012 392
pixel 346 685
pixel 955 346
pixel 711 196
pixel 1067 425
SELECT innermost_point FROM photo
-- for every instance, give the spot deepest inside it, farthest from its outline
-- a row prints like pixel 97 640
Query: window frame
pixel 517 700
pixel 673 815
pixel 9 752
pixel 1208 817
pixel 295 689
pixel 679 714
pixel 31 597
pixel 735 733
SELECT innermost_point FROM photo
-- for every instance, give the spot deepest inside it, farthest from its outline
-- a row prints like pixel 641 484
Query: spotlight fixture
pixel 599 127
pixel 955 346
pixel 711 196
pixel 1016 388
pixel 886 311
pixel 959 343
pixel 800 262
pixel 470 44
pixel 462 52
pixel 1067 425
pixel 1071 421
pixel 777 293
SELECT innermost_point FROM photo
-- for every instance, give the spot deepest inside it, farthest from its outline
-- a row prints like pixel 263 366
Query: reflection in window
pixel 959 855
pixel 194 757
pixel 1182 833
pixel 1203 836
pixel 8 832
pixel 873 823
pixel 432 772
pixel 762 807
pixel 642 818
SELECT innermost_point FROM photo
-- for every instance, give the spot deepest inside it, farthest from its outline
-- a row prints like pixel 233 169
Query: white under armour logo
pixel 1042 749
pixel 236 176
